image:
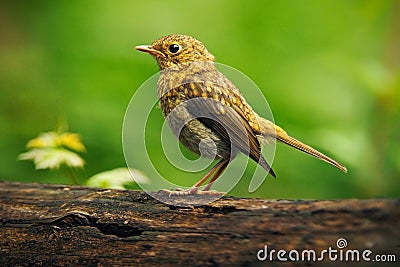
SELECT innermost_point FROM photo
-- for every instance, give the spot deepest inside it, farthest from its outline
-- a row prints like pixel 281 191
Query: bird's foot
pixel 191 191
pixel 211 193
pixel 180 191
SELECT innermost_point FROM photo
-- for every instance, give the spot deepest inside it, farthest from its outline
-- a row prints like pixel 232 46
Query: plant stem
pixel 72 175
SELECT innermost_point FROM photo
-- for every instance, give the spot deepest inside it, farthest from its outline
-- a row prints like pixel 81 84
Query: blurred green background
pixel 329 69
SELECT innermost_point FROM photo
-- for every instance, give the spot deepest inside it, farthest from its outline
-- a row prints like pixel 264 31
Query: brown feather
pixel 230 126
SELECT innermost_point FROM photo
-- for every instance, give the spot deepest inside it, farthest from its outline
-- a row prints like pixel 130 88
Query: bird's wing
pixel 229 125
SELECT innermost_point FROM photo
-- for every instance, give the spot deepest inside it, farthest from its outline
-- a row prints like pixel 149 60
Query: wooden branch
pixel 56 225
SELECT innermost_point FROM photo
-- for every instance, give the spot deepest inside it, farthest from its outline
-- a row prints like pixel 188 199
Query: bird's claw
pixel 191 191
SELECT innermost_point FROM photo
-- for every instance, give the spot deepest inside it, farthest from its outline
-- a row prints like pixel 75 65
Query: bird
pixel 208 113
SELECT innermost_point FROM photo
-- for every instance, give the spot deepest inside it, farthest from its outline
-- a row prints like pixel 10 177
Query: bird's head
pixel 173 50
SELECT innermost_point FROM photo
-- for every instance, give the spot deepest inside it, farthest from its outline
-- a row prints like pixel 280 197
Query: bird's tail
pixel 269 129
pixel 284 138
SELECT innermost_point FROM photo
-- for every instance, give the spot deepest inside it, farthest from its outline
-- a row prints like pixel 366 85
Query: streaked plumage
pixel 199 103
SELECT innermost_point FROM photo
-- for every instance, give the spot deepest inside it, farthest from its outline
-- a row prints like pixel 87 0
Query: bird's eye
pixel 174 48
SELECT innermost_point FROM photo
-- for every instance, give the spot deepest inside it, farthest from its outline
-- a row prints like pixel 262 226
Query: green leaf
pixel 117 178
pixel 44 140
pixel 52 158
pixel 52 139
pixel 72 141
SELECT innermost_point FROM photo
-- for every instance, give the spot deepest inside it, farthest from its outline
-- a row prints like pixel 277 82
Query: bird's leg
pixel 194 190
pixel 216 169
pixel 217 174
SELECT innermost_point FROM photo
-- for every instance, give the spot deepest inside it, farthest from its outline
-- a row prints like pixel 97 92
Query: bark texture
pixel 59 225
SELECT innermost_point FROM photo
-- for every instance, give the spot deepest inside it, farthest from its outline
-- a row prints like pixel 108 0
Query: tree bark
pixel 60 225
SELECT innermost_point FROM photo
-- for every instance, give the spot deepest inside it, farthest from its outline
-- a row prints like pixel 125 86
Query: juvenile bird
pixel 206 111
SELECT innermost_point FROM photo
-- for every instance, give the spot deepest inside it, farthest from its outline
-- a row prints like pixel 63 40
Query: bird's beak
pixel 149 49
